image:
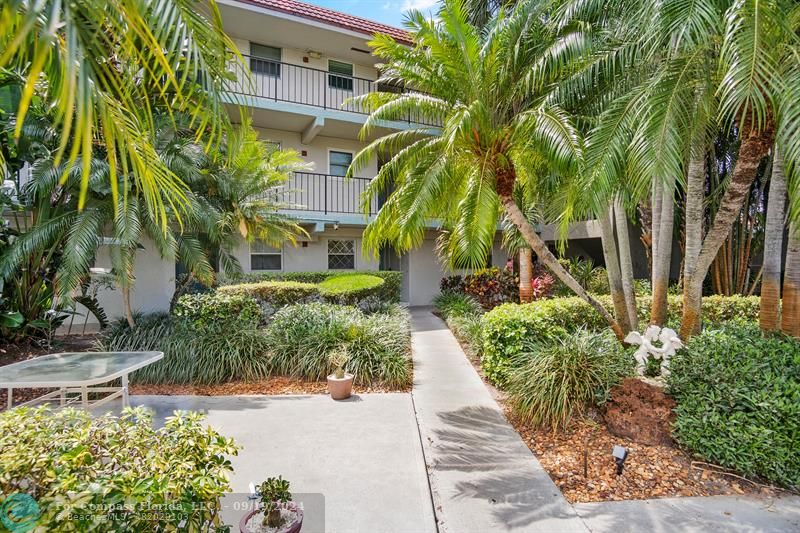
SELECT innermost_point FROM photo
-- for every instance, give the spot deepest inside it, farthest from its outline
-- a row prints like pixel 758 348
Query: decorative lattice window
pixel 341 254
pixel 265 257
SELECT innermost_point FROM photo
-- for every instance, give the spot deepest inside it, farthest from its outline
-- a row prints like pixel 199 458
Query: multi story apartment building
pixel 306 62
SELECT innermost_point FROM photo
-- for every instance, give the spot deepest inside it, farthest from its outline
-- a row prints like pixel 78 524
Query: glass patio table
pixel 76 376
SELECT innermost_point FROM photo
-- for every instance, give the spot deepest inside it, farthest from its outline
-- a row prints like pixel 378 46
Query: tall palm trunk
pixel 626 262
pixel 611 257
pixel 662 258
pixel 790 318
pixel 754 146
pixel 525 275
pixel 517 217
pixel 770 310
pixel 695 185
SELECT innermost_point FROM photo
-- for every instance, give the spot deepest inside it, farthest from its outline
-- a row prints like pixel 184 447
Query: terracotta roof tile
pixel 334 18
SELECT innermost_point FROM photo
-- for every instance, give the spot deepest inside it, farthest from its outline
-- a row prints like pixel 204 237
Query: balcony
pixel 286 82
pixel 326 194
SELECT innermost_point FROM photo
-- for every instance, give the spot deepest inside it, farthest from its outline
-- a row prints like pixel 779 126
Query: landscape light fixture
pixel 620 453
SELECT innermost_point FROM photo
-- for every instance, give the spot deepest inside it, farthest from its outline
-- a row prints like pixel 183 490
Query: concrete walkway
pixel 483 477
pixel 694 515
pixel 357 465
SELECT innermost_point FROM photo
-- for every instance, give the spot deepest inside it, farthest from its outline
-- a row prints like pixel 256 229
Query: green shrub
pixel 350 289
pixel 111 473
pixel 551 381
pixel 193 355
pixel 456 304
pixel 390 290
pixel 738 396
pixel 507 326
pixel 213 310
pixel 274 293
pixel 302 337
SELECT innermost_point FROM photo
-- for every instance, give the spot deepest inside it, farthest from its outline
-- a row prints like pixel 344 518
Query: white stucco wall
pixel 313 256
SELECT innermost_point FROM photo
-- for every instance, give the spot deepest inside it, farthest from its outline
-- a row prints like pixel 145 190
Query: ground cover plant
pixel 738 395
pixel 89 473
pixel 551 380
pixel 302 337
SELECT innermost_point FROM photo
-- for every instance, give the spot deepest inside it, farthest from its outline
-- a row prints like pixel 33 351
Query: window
pixel 265 60
pixel 273 146
pixel 341 76
pixel 341 255
pixel 339 162
pixel 265 257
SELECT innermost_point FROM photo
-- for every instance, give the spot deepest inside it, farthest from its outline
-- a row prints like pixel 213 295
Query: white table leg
pixel 125 399
pixel 85 397
pixel 63 396
pixel 10 397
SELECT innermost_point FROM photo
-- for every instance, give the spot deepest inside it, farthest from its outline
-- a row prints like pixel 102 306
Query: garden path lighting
pixel 620 453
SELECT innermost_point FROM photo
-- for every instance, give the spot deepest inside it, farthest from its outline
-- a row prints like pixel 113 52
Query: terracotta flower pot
pixel 340 388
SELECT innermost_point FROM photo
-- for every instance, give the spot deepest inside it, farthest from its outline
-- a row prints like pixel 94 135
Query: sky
pixel 386 11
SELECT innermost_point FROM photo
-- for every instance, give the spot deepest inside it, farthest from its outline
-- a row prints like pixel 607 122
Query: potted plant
pixel 276 513
pixel 340 383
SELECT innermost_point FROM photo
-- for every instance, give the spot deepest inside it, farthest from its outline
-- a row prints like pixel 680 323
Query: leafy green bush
pixel 350 289
pixel 390 290
pixel 274 293
pixel 302 337
pixel 456 304
pixel 506 327
pixel 552 380
pixel 192 355
pixel 214 310
pixel 738 396
pixel 111 473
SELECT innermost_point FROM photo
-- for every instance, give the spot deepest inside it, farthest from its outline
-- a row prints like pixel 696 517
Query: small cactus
pixel 339 358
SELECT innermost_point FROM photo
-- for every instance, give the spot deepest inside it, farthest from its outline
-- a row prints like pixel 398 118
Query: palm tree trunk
pixel 770 310
pixel 517 217
pixel 790 318
pixel 655 222
pixel 612 268
pixel 755 146
pixel 126 305
pixel 661 266
pixel 626 262
pixel 525 275
pixel 695 185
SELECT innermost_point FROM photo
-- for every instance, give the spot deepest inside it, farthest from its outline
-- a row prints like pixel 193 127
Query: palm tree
pixel 105 67
pixel 770 309
pixel 515 243
pixel 500 123
pixel 790 316
pixel 233 193
pixel 692 69
pixel 626 261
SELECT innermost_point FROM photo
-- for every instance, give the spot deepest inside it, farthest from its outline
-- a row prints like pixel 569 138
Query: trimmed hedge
pixel 217 310
pixel 738 395
pixel 508 326
pixel 390 291
pixel 274 293
pixel 350 289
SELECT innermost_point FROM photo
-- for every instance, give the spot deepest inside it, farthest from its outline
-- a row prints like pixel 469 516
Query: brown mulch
pixel 650 471
pixel 272 385
pixel 13 353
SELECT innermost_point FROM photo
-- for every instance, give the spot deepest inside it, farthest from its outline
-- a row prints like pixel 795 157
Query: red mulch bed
pixel 272 385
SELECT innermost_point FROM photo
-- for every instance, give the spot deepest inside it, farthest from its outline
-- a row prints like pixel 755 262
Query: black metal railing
pixel 286 82
pixel 323 193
